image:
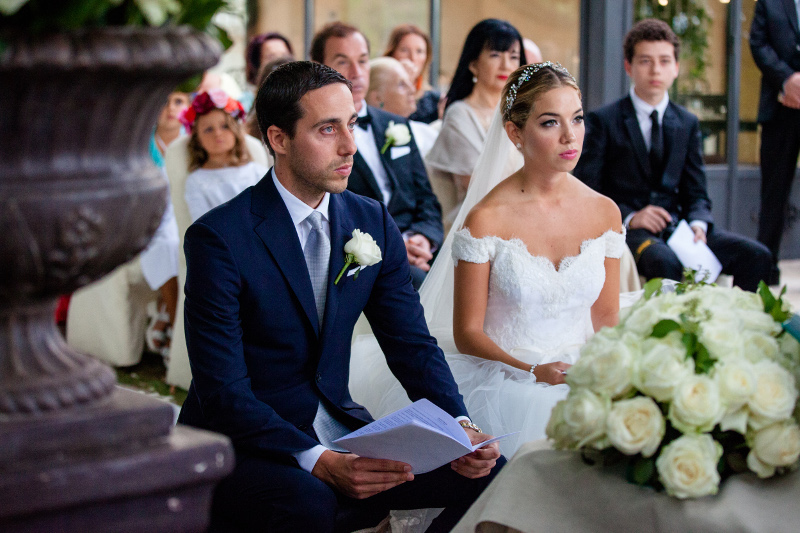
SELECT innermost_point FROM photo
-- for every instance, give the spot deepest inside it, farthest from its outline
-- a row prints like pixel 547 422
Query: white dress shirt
pixel 365 142
pixel 643 112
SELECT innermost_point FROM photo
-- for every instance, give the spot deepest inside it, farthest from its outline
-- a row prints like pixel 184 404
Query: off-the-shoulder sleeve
pixel 615 243
pixel 468 248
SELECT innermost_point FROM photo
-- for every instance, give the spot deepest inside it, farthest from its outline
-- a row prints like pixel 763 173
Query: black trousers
pixel 780 145
pixel 268 495
pixel 748 261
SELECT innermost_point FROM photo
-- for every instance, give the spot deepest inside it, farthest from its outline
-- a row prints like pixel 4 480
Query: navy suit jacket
pixel 260 362
pixel 413 205
pixel 775 45
pixel 615 162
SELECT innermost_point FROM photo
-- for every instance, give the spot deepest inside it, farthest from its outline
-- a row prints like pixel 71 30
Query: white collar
pixel 643 109
pixel 363 111
pixel 298 209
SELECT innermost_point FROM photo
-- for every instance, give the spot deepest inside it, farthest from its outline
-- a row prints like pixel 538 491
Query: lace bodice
pixel 532 304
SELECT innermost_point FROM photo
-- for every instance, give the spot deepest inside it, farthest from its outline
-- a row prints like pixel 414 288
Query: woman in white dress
pixel 531 272
pixel 219 162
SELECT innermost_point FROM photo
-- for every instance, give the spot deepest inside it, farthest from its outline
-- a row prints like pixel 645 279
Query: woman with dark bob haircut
pixel 492 51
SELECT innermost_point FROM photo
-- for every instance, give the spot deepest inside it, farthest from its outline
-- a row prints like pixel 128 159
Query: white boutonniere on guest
pixel 396 135
pixel 361 250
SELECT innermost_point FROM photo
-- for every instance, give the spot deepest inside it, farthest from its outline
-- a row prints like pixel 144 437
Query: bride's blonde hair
pixel 527 84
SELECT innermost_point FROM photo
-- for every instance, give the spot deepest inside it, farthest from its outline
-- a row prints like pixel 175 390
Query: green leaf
pixel 642 471
pixel 690 341
pixel 702 360
pixel 664 327
pixel 652 287
pixel 766 296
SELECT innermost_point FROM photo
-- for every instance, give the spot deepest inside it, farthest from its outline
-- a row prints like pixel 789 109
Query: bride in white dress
pixel 532 272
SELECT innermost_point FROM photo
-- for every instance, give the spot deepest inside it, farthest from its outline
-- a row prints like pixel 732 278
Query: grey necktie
pixel 318 252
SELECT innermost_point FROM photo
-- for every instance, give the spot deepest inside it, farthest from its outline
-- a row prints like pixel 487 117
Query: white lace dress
pixel 536 312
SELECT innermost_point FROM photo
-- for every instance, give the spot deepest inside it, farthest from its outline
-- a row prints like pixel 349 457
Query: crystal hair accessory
pixel 526 75
pixel 207 101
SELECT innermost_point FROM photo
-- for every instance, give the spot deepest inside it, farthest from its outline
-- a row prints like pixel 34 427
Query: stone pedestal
pixel 118 465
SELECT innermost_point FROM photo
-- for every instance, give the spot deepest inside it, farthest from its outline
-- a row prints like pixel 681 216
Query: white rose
pixel 399 134
pixel 9 7
pixel 721 336
pixel 687 466
pixel 578 420
pixel 157 11
pixel 696 405
pixel 364 248
pixel 662 366
pixel 605 366
pixel 758 321
pixel 774 397
pixel 715 298
pixel 736 382
pixel 642 318
pixel 757 345
pixel 773 446
pixel 635 426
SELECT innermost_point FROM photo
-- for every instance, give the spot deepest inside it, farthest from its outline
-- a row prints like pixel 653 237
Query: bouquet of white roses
pixel 690 387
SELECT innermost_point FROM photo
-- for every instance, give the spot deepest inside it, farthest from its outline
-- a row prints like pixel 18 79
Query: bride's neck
pixel 541 184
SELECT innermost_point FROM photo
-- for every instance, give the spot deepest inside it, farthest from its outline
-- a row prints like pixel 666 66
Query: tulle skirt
pixel 500 399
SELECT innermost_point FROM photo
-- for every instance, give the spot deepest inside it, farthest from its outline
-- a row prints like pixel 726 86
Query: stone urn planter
pixel 79 195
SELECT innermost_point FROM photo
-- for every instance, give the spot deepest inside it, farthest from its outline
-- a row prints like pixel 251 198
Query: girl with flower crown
pixel 219 162
pixel 528 274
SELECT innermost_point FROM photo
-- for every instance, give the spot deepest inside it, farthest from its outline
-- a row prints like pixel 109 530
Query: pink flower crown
pixel 208 101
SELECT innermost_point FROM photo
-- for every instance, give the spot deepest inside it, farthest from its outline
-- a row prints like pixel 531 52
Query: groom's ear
pixel 277 139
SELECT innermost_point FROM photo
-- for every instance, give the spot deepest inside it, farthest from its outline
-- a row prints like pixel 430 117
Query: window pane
pixel 702 85
pixel 374 19
pixel 749 138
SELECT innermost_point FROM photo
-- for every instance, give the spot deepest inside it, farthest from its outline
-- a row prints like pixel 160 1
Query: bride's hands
pixel 552 373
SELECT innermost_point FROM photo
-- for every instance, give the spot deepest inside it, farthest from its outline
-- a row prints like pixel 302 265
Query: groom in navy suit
pixel 644 152
pixel 396 177
pixel 268 331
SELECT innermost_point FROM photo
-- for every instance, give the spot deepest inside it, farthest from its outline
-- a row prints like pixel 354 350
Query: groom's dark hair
pixel 278 98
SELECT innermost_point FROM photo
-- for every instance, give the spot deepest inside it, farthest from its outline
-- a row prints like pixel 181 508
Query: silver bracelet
pixel 533 367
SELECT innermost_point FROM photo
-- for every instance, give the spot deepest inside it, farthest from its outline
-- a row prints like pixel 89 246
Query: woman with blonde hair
pixel 528 274
pixel 219 162
pixel 412 47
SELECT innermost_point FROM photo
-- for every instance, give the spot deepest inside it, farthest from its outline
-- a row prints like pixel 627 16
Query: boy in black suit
pixel 644 152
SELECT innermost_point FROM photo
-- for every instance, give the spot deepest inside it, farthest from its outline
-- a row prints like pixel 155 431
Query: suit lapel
pixel 279 235
pixel 674 142
pixel 341 228
pixel 362 170
pixel 379 125
pixel 635 135
pixel 791 13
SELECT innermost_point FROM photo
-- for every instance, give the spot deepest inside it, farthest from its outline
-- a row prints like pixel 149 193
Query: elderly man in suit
pixel 268 328
pixel 644 152
pixel 391 173
pixel 775 44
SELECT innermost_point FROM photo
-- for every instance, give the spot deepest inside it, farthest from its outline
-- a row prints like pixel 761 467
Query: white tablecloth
pixel 543 490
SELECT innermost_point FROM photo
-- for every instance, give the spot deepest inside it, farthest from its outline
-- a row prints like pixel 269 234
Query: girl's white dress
pixel 208 188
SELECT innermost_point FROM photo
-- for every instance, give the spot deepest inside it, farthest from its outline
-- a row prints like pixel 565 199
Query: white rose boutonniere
pixel 396 135
pixel 362 250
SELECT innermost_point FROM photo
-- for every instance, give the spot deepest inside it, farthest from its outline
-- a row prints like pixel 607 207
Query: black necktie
pixel 363 122
pixel 656 146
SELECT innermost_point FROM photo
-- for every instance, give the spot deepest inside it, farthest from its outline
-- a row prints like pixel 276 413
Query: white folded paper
pixel 695 255
pixel 421 435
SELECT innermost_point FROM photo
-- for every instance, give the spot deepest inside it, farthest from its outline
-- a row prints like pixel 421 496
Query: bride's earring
pixel 519 146
pixel 474 79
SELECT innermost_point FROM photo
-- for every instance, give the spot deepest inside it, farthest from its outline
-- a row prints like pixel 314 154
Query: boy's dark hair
pixel 334 29
pixel 278 98
pixel 649 30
